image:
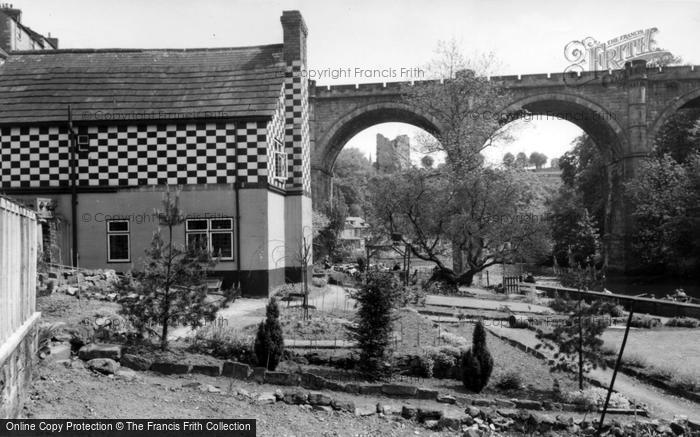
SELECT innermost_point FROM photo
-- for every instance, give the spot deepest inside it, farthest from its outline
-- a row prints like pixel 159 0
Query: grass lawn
pixel 668 352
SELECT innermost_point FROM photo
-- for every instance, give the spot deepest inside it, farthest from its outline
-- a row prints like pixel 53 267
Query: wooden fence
pixel 19 235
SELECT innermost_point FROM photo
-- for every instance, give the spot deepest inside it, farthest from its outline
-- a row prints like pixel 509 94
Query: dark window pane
pixel 196 225
pixel 118 226
pixel 118 247
pixel 222 244
pixel 221 224
pixel 197 241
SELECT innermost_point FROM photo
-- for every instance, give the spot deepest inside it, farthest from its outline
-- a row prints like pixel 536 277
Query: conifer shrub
pixel 269 340
pixel 477 363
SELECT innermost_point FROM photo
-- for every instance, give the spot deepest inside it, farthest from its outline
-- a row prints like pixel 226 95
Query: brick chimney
pixel 295 31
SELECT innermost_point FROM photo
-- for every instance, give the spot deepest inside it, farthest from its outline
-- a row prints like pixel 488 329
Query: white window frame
pixel 280 164
pixel 111 233
pixel 210 231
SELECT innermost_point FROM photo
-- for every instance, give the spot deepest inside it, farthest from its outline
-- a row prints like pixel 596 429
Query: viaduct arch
pixel 622 111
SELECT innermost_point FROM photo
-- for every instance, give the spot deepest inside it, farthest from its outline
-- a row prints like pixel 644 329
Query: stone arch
pixel 360 118
pixel 674 106
pixel 600 124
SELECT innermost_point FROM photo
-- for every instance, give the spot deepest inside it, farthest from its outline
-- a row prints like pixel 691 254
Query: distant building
pixel 15 36
pixel 393 155
pixel 354 232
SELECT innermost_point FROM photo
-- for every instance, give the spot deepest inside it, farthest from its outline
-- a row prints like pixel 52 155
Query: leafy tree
pixel 554 163
pixel 508 160
pixel 477 363
pixel 269 340
pixel 521 160
pixel 679 136
pixel 171 289
pixel 462 100
pixel 537 159
pixel 374 322
pixel 326 239
pixel 663 193
pixel 577 342
pixel 485 215
pixel 351 173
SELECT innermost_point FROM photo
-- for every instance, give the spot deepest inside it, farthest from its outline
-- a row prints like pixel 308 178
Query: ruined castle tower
pixel 393 155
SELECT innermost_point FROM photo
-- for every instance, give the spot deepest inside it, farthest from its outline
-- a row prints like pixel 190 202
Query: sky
pixel 526 36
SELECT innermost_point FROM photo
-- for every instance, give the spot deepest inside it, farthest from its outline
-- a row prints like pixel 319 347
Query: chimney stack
pixel 294 32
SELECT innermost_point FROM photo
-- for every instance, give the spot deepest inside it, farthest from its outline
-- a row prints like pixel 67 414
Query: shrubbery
pixel 646 322
pixel 269 341
pixel 683 322
pixel 477 363
pixel 510 381
pixel 223 342
pixel 518 323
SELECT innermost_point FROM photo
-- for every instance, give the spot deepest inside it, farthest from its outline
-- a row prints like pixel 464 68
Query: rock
pixel 365 410
pixel 370 389
pixel 126 374
pixel 504 403
pixel 71 291
pixel 316 398
pixel 236 370
pixel 207 369
pixel 265 398
pixel 473 411
pixel 431 424
pixel 210 389
pixel 383 409
pixel 424 393
pixel 502 423
pixel 281 378
pixel 59 352
pixel 324 408
pixel 526 404
pixel 408 412
pixel 343 405
pixel 295 397
pixel 135 362
pixel 279 394
pixel 429 414
pixel 446 399
pixel 467 420
pixel 541 422
pixel 97 350
pixel 333 386
pixel 106 366
pixel 453 423
pixel 167 368
pixel 508 412
pixel 399 390
pixel 243 392
pixel 313 382
pixel 482 402
pixel 471 432
pixel 679 425
pixel 259 374
pixel 193 384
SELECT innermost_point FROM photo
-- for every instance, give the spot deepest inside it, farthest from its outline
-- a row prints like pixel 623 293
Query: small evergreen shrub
pixel 477 363
pixel 426 365
pixel 269 341
pixel 510 381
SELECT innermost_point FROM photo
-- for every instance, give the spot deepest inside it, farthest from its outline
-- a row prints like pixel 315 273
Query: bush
pixel 477 363
pixel 223 342
pixel 646 322
pixel 426 365
pixel 562 305
pixel 683 322
pixel 518 323
pixel 373 326
pixel 510 381
pixel 269 341
pixel 412 295
pixel 594 397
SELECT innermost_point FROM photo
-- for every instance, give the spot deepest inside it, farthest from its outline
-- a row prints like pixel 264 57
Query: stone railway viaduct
pixel 621 110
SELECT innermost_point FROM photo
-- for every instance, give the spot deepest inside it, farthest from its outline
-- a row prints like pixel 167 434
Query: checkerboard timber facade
pixel 223 127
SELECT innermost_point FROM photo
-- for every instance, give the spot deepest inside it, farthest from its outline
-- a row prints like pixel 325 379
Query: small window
pixel 213 235
pixel 280 170
pixel 118 246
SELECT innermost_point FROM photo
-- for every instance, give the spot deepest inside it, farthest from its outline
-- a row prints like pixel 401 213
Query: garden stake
pixel 614 375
